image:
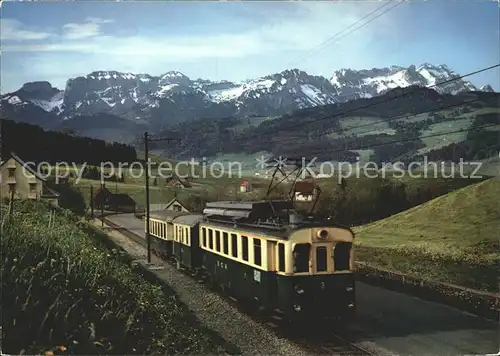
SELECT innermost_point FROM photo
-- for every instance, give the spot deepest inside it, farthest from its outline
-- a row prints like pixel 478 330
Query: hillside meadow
pixel 453 238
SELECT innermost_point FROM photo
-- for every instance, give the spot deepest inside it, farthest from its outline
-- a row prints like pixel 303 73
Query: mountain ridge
pixel 163 101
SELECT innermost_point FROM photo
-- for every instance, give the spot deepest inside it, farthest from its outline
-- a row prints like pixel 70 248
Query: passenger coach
pixel 161 229
pixel 265 254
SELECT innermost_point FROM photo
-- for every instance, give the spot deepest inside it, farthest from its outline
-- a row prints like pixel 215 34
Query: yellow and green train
pixel 263 253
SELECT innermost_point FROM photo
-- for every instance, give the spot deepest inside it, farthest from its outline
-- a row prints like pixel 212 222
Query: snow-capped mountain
pixel 352 84
pixel 487 88
pixel 161 101
pixel 41 94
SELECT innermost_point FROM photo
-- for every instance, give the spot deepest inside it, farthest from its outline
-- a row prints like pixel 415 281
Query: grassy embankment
pixel 454 238
pixel 64 289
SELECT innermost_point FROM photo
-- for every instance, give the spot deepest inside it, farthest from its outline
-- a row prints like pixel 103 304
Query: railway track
pixel 334 344
pixel 316 340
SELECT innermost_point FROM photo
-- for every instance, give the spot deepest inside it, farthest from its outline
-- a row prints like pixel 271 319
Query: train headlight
pixel 349 289
pixel 297 308
pixel 322 234
pixel 298 289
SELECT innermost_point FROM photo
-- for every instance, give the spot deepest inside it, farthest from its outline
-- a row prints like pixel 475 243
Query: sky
pixel 55 41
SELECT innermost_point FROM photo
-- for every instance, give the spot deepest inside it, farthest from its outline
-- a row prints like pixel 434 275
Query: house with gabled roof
pixel 121 202
pixel 20 181
pixel 104 198
pixel 304 190
pixel 186 204
pixel 245 186
pixel 178 204
pixel 100 197
pixel 178 183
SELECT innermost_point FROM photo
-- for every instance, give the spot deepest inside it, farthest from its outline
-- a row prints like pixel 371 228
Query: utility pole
pixel 146 156
pixel 116 192
pixel 102 204
pixel 92 201
pixel 147 140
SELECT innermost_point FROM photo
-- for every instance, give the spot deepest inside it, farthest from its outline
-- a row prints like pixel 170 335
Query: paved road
pixel 130 222
pixel 409 325
pixel 402 324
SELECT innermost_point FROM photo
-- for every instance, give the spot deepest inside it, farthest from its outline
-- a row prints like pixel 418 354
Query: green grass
pixel 453 238
pixel 62 285
pixel 134 176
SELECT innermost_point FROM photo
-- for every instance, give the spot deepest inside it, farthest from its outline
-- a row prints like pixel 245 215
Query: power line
pixel 403 140
pixel 329 41
pixel 373 104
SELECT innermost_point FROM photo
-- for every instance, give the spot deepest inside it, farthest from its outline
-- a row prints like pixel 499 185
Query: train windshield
pixel 321 259
pixel 301 257
pixel 341 256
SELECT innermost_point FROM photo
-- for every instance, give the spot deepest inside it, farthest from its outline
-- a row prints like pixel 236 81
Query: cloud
pixel 91 27
pixel 98 20
pixel 75 31
pixel 13 30
pixel 258 46
pixel 292 33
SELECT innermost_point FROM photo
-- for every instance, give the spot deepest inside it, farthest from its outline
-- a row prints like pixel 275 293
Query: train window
pixel 321 260
pixel 211 239
pixel 187 236
pixel 204 237
pixel 257 252
pixel 217 240
pixel 234 245
pixel 301 258
pixel 341 256
pixel 225 242
pixel 281 257
pixel 244 246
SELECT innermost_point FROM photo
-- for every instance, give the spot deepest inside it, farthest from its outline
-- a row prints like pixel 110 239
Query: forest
pixel 32 143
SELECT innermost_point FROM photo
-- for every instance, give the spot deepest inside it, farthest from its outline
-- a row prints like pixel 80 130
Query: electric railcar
pixel 263 253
